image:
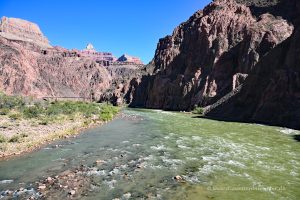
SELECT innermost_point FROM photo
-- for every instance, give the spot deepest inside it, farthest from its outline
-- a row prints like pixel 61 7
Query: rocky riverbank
pixel 23 135
pixel 26 125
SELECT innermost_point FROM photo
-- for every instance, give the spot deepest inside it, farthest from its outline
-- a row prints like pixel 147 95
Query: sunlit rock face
pixel 27 69
pixel 104 58
pixel 19 29
pixel 31 67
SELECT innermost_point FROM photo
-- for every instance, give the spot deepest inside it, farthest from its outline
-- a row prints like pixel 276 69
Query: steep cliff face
pixel 209 55
pixel 238 59
pixel 123 83
pixel 271 93
pixel 22 30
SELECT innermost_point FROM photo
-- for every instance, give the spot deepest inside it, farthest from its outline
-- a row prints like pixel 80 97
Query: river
pixel 211 159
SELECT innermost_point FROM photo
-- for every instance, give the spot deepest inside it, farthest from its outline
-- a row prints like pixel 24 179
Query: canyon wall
pixel 271 93
pixel 207 59
pixel 27 69
pixel 30 66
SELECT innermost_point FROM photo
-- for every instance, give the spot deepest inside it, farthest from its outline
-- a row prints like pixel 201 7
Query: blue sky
pixel 118 26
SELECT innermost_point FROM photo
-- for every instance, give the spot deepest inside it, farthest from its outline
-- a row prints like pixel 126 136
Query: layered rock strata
pixel 19 29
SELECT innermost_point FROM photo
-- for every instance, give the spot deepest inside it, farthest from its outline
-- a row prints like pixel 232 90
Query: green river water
pixel 217 160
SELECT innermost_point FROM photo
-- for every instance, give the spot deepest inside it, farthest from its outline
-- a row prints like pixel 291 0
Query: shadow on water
pixel 224 119
pixel 296 137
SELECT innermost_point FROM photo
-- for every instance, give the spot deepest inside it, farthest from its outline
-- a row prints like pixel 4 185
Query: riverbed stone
pixel 42 187
pixel 72 192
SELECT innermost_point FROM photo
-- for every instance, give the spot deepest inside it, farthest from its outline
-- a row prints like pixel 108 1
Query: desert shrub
pixel 4 125
pixel 52 110
pixel 2 139
pixel 15 138
pixel 23 135
pixel 11 101
pixel 32 111
pixel 107 112
pixel 198 110
pixel 44 122
pixel 15 116
pixel 4 111
pixel 46 112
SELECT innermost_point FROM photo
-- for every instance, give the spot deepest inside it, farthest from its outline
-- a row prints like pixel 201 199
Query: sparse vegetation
pixel 46 112
pixel 15 138
pixel 32 111
pixel 11 102
pixel 2 139
pixel 198 110
pixel 60 119
pixel 4 111
pixel 108 112
pixel 15 116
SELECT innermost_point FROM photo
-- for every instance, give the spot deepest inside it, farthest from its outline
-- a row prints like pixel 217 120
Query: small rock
pixel 42 187
pixel 100 162
pixel 127 195
pixel 178 178
pixel 49 179
pixel 72 192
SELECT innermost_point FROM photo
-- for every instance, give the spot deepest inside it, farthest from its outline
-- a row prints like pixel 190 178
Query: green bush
pixel 45 111
pixel 4 111
pixel 198 110
pixel 15 116
pixel 4 125
pixel 11 101
pixel 107 112
pixel 15 138
pixel 23 135
pixel 32 112
pixel 2 139
pixel 44 122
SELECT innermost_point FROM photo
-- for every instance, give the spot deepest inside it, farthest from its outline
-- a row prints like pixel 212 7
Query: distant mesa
pixel 19 29
pixel 130 59
pixel 107 58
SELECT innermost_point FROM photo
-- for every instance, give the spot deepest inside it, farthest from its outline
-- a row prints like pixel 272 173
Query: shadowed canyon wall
pixel 210 56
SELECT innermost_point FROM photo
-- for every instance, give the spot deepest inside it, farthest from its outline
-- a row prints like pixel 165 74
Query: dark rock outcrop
pixel 239 59
pixel 124 81
pixel 271 93
pixel 209 55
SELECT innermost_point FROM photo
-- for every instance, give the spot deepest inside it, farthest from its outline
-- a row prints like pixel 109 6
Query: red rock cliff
pixel 19 29
pixel 209 55
pixel 271 93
